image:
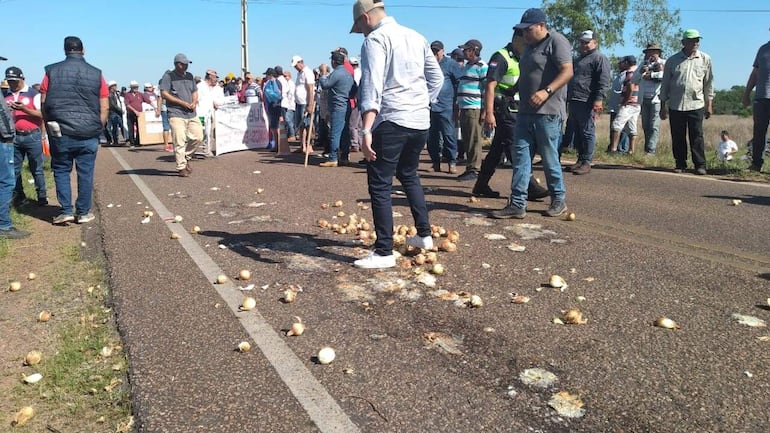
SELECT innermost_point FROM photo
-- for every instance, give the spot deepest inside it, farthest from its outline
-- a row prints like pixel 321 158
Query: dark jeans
pixel 398 153
pixel 64 151
pixel 30 146
pixel 340 135
pixel 133 128
pixel 581 117
pixel 288 120
pixel 502 142
pixel 116 124
pixel 442 128
pixel 758 141
pixel 7 182
pixel 684 123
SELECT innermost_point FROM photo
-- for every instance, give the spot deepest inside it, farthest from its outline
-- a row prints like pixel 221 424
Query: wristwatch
pixel 365 131
pixel 548 90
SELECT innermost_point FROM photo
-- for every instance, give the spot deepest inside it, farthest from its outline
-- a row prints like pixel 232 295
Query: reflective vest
pixel 511 76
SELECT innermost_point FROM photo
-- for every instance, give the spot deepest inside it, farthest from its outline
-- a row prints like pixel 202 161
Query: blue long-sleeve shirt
pixel 452 74
pixel 339 84
pixel 400 77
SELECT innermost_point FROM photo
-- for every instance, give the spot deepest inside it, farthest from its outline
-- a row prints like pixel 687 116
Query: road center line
pixel 309 392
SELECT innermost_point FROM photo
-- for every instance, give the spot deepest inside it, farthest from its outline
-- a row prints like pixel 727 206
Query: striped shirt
pixel 469 91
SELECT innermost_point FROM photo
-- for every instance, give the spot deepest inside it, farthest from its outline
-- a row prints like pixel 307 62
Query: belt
pixel 30 132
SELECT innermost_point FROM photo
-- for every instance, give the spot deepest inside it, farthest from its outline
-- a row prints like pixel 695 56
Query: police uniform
pixel 504 70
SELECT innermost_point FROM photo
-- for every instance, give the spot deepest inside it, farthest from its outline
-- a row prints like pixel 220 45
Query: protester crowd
pixel 533 95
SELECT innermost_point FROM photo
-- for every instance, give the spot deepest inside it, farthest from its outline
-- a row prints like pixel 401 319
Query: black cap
pixel 2 59
pixel 278 70
pixel 13 73
pixel 458 54
pixel 72 43
pixel 270 72
pixel 472 43
pixel 436 45
pixel 631 60
pixel 531 16
pixel 338 57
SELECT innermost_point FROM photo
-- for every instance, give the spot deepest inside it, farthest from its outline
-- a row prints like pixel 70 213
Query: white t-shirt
pixel 305 76
pixel 207 97
pixel 287 93
pixel 724 148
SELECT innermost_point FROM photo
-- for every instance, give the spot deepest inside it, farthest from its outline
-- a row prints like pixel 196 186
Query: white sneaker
pixel 86 218
pixel 376 261
pixel 425 243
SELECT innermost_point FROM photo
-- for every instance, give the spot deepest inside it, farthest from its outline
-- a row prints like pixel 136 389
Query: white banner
pixel 241 127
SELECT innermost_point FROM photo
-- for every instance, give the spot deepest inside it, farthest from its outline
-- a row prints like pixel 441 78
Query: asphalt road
pixel 645 244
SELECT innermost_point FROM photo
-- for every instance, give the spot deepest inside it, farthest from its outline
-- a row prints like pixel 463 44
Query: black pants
pixel 133 128
pixel 502 142
pixel 684 124
pixel 398 154
pixel 758 141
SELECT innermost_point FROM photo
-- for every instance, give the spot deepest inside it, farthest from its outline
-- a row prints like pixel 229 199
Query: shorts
pixel 626 119
pixel 164 120
pixel 274 116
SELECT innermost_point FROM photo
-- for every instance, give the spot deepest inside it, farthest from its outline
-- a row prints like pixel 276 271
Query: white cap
pixel 112 83
pixel 134 83
pixel 587 36
pixel 295 60
pixel 146 85
pixel 354 60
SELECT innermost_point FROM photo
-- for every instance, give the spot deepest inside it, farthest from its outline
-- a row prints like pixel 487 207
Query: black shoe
pixel 485 191
pixel 437 167
pixel 679 170
pixel 700 171
pixel 468 175
pixel 536 192
pixel 584 168
pixel 20 201
pixel 42 202
pixel 557 207
pixel 509 211
pixel 13 233
pixel 753 167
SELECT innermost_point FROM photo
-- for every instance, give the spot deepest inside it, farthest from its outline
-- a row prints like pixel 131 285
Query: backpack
pixel 273 92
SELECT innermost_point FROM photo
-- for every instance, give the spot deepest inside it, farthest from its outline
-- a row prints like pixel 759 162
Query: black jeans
pixel 502 142
pixel 133 128
pixel 398 154
pixel 684 123
pixel 758 141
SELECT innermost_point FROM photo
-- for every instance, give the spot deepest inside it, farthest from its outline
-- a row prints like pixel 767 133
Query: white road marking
pixel 320 406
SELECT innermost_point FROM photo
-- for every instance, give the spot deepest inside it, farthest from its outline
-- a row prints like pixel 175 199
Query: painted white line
pixel 309 392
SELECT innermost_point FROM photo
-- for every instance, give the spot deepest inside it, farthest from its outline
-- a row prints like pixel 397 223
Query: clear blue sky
pixel 137 40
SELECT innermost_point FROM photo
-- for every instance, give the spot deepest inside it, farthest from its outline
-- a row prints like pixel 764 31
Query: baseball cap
pixel 133 84
pixel 181 58
pixel 587 36
pixel 147 85
pixel 436 45
pixel 13 74
pixel 270 72
pixel 112 83
pixel 361 7
pixel 531 16
pixel 691 34
pixel 354 60
pixel 457 53
pixel 472 43
pixel 295 60
pixel 278 70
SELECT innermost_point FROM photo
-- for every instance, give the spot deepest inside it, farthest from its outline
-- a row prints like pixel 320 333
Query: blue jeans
pixel 581 115
pixel 536 133
pixel 340 135
pixel 398 153
pixel 288 120
pixel 7 182
pixel 650 124
pixel 64 151
pixel 30 146
pixel 116 124
pixel 442 128
pixel 623 140
pixel 299 117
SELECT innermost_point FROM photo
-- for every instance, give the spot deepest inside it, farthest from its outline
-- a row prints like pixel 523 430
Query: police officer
pixel 501 105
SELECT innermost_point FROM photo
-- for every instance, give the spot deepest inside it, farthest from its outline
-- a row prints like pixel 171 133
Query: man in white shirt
pixel 726 148
pixel 399 79
pixel 304 97
pixel 287 100
pixel 210 97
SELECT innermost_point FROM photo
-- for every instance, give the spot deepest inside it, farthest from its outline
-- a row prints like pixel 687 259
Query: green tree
pixel 729 102
pixel 572 17
pixel 657 23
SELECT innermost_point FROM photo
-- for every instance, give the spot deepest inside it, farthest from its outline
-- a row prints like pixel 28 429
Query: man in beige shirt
pixel 687 94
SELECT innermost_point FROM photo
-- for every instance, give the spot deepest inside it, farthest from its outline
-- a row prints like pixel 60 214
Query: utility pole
pixel 244 38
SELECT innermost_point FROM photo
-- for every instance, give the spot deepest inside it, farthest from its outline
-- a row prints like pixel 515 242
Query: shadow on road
pixel 748 199
pixel 149 172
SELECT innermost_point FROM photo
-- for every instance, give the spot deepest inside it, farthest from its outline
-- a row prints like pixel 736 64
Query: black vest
pixel 72 98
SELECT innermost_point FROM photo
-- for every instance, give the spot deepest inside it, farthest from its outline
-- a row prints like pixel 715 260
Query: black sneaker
pixel 700 171
pixel 13 233
pixel 485 191
pixel 510 211
pixel 437 167
pixel 42 202
pixel 557 207
pixel 535 191
pixel 468 175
